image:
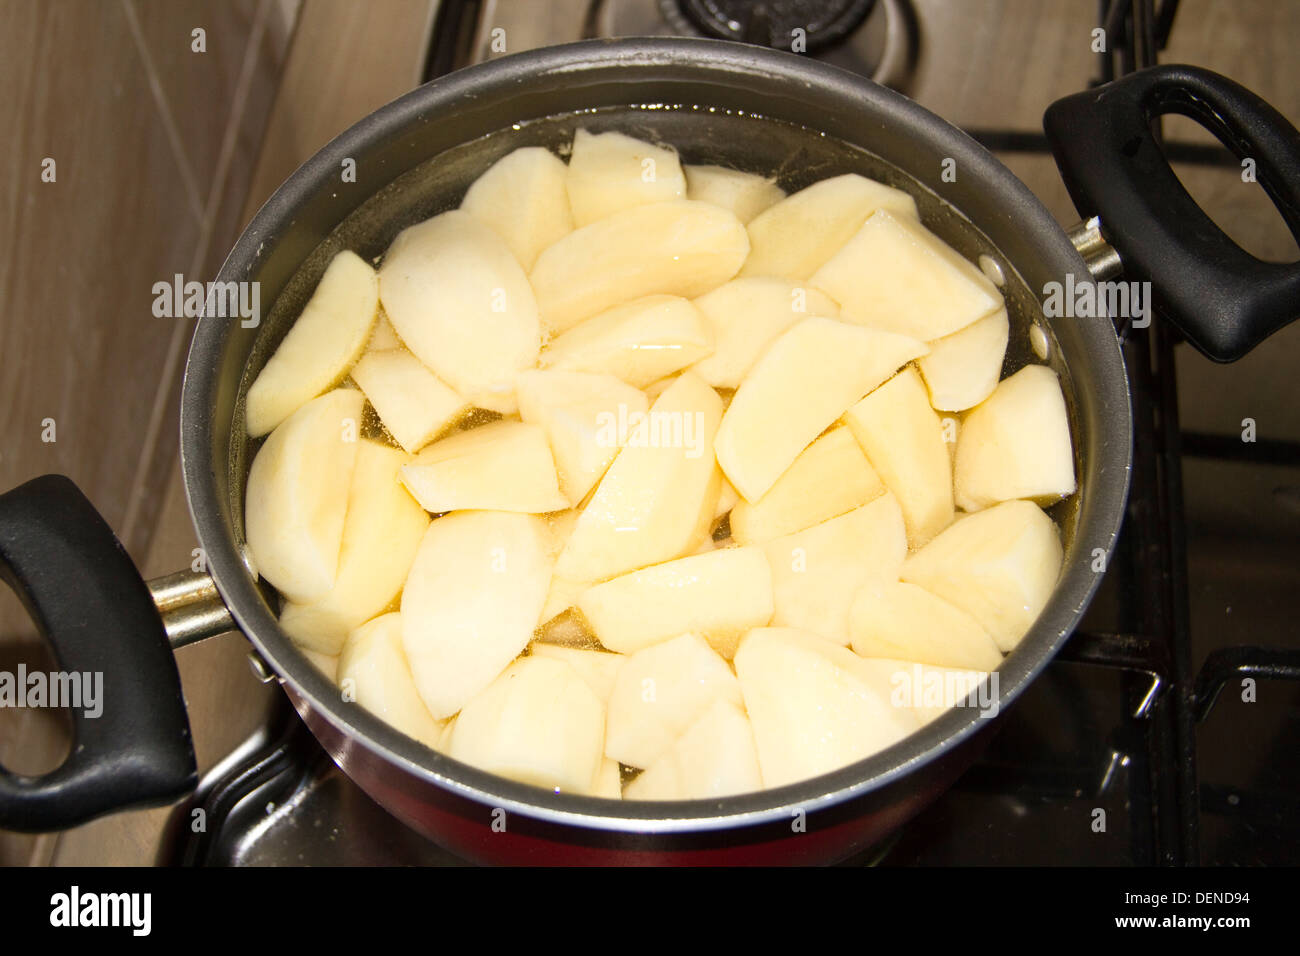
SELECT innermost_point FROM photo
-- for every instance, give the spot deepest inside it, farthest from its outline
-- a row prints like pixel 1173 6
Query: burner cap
pixel 772 22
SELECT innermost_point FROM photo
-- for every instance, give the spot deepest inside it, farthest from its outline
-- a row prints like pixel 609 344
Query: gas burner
pixel 773 23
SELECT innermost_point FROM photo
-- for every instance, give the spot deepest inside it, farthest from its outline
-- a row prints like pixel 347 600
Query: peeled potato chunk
pixel 461 303
pixel 638 342
pixel 719 595
pixel 471 602
pixel 830 477
pixel 817 572
pixel 998 565
pixel 504 466
pixel 384 336
pixel 610 172
pixel 715 757
pixel 744 194
pixel 900 620
pixel 896 275
pixel 579 413
pixel 796 236
pixel 1016 444
pixel 327 664
pixel 962 369
pixel 320 347
pixel 656 501
pixel 745 316
pixel 814 706
pixel 524 198
pixel 381 533
pixel 802 383
pixel 660 692
pixel 598 668
pixel 413 403
pixel 537 723
pixel 679 247
pixel 903 439
pixel 297 495
pixel 372 668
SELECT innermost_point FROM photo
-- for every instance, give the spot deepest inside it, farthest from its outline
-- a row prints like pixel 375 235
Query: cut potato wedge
pixel 897 276
pixel 610 172
pixel 462 304
pixel 537 723
pixel 381 533
pixel 660 692
pixel 802 383
pixel 998 565
pixel 745 316
pixel 817 572
pixel 327 664
pixel 719 595
pixel 793 238
pixel 503 466
pixel 830 477
pixel 962 369
pixel 471 602
pixel 679 247
pixel 524 199
pixel 638 342
pixel 745 195
pixel 326 339
pixel 384 336
pixel 900 620
pixel 598 668
pixel 903 439
pixel 1016 444
pixel 297 495
pixel 373 670
pixel 414 404
pixel 715 757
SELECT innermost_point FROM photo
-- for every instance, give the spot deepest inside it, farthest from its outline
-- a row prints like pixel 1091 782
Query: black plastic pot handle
pixel 86 597
pixel 1223 299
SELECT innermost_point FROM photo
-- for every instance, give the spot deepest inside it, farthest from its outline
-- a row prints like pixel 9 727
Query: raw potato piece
pixel 817 572
pixel 660 692
pixel 598 668
pixel 374 661
pixel 504 466
pixel 320 347
pixel 746 315
pixel 803 382
pixel 814 706
pixel 639 342
pixel 524 199
pixel 896 275
pixel 384 337
pixel 461 303
pixel 719 595
pixel 744 194
pixel 830 477
pixel 998 565
pixel 413 403
pixel 381 533
pixel 327 664
pixel 962 369
pixel 471 602
pixel 714 758
pixel 578 412
pixel 1016 444
pixel 900 620
pixel 903 439
pixel 656 501
pixel 537 723
pixel 610 172
pixel 297 495
pixel 677 247
pixel 794 238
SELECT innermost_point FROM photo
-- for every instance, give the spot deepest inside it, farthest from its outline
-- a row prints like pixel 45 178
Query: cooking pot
pixel 717 102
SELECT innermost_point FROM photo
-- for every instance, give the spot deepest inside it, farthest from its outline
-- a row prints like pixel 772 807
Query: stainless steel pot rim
pixel 714 59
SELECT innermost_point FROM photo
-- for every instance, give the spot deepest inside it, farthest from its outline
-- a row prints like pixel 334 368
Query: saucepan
pixel 720 103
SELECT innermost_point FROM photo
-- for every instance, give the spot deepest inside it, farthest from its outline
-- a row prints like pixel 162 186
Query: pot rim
pixel 201 465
